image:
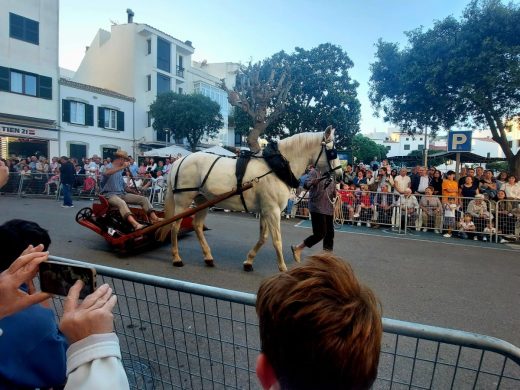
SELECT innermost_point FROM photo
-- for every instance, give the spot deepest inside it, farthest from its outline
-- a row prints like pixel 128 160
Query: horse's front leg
pixel 273 225
pixel 198 226
pixel 177 261
pixel 248 264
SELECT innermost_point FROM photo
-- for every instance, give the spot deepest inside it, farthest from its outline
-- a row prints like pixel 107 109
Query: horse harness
pixel 277 163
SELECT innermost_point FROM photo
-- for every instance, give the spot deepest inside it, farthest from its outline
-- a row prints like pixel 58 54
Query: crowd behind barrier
pixel 370 195
pixel 175 334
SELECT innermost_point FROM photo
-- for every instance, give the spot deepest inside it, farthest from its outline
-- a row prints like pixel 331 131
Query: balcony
pixel 180 71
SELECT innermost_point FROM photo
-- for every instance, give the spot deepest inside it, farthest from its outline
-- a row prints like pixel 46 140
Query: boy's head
pixel 467 217
pixel 18 234
pixel 451 199
pixel 319 327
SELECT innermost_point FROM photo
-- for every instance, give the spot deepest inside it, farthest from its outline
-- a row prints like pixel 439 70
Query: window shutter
pixel 45 87
pixel 4 79
pixel 89 115
pixel 101 117
pixel 120 121
pixel 65 111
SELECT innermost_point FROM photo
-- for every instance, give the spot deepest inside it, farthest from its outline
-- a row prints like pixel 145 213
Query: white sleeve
pixel 95 363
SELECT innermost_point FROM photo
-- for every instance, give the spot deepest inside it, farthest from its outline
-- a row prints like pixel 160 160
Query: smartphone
pixel 57 278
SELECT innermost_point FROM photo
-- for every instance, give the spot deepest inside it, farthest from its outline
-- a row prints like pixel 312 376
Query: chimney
pixel 189 43
pixel 130 15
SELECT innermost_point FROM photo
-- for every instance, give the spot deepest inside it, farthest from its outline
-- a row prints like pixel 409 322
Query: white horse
pixel 268 196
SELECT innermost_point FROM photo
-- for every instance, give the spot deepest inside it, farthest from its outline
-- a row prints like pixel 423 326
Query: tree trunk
pixel 252 138
pixel 514 165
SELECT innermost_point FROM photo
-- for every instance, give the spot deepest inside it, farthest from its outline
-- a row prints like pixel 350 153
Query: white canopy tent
pixel 220 151
pixel 168 151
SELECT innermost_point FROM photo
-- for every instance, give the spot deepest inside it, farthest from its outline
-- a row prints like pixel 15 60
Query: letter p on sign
pixel 459 141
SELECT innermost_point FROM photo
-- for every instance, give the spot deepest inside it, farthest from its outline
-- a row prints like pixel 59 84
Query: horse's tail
pixel 169 211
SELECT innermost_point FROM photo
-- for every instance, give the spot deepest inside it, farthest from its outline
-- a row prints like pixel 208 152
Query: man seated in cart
pixel 113 188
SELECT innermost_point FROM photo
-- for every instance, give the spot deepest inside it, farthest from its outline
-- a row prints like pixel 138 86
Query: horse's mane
pixel 301 141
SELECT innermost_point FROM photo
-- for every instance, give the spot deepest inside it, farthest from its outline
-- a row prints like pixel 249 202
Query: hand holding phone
pixel 57 278
pixel 92 316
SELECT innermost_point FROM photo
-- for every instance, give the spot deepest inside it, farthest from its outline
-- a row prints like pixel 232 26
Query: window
pixel 163 84
pixel 77 113
pixel 23 83
pixel 148 119
pixel 148 46
pixel 488 155
pixel 407 138
pixel 406 147
pixel 180 67
pixel 510 143
pixel 180 90
pixel 17 81
pixel 149 82
pixel 24 29
pixel 111 119
pixel 163 55
pixel 420 147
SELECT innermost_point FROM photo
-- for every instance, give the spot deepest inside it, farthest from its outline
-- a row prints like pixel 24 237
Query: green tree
pixel 364 149
pixel 188 116
pixel 311 89
pixel 460 72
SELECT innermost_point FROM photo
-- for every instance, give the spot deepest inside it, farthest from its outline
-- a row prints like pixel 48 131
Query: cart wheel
pixel 85 213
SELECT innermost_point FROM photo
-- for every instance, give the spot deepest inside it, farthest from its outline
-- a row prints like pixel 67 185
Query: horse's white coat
pixel 268 197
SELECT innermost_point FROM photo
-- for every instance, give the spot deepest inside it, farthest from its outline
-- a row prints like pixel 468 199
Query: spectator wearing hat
pixel 113 187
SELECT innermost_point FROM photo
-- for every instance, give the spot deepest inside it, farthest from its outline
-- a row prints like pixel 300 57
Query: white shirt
pixel 423 183
pixel 401 183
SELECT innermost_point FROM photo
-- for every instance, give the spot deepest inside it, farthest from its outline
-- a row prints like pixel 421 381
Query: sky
pixel 245 30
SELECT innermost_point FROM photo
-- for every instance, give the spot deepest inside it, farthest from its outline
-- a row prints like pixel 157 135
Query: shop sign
pixel 28 132
pixel 11 130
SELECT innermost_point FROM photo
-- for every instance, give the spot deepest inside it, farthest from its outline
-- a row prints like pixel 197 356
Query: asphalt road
pixel 448 283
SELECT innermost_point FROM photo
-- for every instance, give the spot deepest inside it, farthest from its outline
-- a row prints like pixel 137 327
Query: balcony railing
pixel 180 72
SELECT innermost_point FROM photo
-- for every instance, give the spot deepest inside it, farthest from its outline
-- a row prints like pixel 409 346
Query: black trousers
pixel 322 229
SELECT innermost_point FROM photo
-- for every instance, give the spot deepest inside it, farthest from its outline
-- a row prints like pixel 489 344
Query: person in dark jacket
pixel 67 173
pixel 322 192
pixel 33 349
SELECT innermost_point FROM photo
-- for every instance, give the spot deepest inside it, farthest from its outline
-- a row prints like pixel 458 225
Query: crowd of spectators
pixel 428 199
pixel 41 176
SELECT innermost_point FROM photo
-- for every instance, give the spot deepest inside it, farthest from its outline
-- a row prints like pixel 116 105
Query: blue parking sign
pixel 459 141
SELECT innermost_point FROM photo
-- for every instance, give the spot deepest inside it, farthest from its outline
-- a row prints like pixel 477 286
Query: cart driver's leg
pixel 145 205
pixel 125 212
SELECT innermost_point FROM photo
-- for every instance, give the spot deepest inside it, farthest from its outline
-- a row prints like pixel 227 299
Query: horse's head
pixel 328 160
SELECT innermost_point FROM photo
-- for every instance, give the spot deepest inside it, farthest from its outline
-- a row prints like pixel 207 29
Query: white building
pixel 29 72
pixel 94 121
pixel 140 61
pixel 399 144
pixel 226 71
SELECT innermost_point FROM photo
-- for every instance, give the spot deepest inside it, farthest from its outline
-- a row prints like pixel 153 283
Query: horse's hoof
pixel 248 267
pixel 209 262
pixel 178 263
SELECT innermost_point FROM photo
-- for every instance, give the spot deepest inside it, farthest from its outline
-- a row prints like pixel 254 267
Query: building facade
pixel 94 121
pixel 140 61
pixel 29 73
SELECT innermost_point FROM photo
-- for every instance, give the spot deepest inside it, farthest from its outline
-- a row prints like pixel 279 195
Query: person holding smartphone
pixel 93 360
pixel 31 334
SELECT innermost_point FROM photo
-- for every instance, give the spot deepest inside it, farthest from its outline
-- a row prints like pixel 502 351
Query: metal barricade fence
pixel 176 334
pixel 507 220
pixel 12 187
